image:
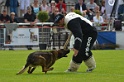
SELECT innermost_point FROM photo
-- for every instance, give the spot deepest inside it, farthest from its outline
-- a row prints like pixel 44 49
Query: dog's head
pixel 62 53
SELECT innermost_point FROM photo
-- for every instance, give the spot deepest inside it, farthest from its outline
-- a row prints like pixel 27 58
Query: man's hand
pixel 75 52
pixel 32 23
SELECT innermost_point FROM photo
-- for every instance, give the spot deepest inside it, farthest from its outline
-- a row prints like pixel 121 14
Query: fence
pixel 53 40
pixel 46 36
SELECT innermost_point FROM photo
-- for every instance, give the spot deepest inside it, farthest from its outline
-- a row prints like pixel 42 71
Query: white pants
pixel 71 42
pixel 24 4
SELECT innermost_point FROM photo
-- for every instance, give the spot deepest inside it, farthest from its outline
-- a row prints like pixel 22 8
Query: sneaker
pixel 11 49
pixel 29 48
pixel 70 70
pixel 89 70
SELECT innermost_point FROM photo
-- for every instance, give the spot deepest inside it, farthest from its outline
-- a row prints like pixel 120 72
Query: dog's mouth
pixel 63 53
pixel 68 51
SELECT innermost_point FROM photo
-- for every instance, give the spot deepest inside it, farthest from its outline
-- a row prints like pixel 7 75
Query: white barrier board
pixel 22 36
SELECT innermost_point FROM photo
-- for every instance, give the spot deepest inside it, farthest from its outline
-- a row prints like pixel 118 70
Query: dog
pixel 45 59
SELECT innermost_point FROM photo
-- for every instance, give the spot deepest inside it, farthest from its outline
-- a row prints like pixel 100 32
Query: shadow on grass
pixel 54 73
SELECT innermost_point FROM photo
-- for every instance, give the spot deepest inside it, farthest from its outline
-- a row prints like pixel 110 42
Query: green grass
pixel 110 68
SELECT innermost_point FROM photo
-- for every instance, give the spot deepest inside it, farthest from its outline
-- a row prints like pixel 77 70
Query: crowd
pixel 91 10
pixel 86 8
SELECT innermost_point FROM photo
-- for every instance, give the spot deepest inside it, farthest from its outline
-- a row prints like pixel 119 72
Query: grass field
pixel 110 68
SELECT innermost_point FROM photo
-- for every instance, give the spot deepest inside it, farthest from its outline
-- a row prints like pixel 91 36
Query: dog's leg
pixel 29 69
pixel 50 69
pixel 44 66
pixel 32 70
pixel 45 69
pixel 23 69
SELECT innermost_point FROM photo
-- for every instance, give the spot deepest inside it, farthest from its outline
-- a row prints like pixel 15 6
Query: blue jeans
pixel 13 6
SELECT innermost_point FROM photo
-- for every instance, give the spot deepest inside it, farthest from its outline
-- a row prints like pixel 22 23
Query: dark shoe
pixel 11 49
pixel 29 48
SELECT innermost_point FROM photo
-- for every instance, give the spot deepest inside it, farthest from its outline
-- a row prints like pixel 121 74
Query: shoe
pixel 29 48
pixel 69 70
pixel 89 70
pixel 11 49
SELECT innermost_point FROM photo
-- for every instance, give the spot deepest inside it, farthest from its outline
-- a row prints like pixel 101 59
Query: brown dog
pixel 43 58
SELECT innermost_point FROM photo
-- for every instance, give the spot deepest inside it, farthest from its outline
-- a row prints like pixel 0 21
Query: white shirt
pixel 73 15
pixel 96 20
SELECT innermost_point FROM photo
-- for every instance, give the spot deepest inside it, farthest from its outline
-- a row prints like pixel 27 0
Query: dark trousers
pixel 85 49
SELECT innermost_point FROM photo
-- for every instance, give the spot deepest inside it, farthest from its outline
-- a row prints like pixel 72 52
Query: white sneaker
pixel 70 70
pixel 89 69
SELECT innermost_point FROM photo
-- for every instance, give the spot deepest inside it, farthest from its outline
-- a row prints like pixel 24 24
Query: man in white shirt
pixel 84 37
pixel 91 8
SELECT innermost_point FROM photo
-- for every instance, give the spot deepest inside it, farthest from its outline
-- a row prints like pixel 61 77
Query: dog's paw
pixel 17 73
pixel 51 68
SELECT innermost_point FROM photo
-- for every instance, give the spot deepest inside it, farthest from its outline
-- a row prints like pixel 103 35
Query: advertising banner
pixel 21 36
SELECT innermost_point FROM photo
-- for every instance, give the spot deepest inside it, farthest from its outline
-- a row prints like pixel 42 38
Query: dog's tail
pixel 23 69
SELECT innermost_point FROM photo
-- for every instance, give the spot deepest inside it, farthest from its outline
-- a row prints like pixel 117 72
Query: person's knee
pixel 77 60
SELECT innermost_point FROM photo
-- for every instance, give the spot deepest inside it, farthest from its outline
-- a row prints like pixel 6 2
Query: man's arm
pixel 75 28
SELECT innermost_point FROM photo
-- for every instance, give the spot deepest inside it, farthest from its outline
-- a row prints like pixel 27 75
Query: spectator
pixel 91 7
pixel 7 5
pixel 23 6
pixel 30 17
pixel 52 6
pixel 72 9
pixel 81 6
pixel 52 18
pixel 105 17
pixel 98 20
pixel 61 6
pixel 102 7
pixel 36 7
pixel 97 8
pixel 121 12
pixel 4 18
pixel 12 20
pixel 44 6
pixel 13 6
pixel 53 14
pixel 57 1
pixel 1 2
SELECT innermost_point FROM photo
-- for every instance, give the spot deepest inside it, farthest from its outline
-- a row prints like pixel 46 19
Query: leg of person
pixel 29 47
pixel 88 58
pixel 22 7
pixel 77 60
pixel 73 67
pixel 15 6
pixel 26 4
pixel 85 55
pixel 11 48
pixel 11 6
pixel 71 41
